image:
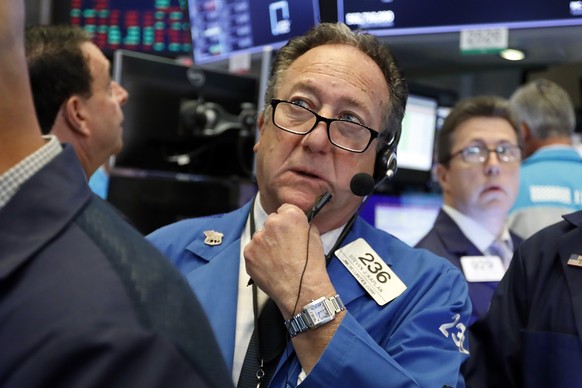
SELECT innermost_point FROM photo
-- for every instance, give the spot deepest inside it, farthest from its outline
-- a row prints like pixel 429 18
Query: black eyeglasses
pixel 345 134
pixel 478 154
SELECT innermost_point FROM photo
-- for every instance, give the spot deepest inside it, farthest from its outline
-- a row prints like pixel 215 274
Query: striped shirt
pixel 15 177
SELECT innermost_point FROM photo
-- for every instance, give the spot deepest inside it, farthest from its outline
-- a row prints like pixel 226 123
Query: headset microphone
pixel 362 184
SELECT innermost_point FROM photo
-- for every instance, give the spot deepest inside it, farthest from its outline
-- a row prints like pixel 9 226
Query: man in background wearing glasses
pixel 356 306
pixel 478 155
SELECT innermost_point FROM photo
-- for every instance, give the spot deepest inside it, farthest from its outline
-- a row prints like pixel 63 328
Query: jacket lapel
pixel 216 282
pixel 453 238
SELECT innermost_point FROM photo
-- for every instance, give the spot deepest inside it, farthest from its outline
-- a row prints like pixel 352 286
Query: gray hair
pixel 545 107
pixel 338 33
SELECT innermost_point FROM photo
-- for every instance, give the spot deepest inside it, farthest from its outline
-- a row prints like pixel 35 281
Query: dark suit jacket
pixel 531 335
pixel 447 240
pixel 85 301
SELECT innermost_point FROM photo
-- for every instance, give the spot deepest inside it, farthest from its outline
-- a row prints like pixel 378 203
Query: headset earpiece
pixel 386 164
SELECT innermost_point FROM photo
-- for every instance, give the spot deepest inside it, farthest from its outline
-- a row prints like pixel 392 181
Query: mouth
pixel 307 174
pixel 493 188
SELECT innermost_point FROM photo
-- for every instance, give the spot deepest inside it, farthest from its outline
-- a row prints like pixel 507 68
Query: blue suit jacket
pixel 85 301
pixel 531 336
pixel 398 344
pixel 447 240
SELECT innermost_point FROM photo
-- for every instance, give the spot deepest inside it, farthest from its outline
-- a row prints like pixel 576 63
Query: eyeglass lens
pixel 505 154
pixel 300 120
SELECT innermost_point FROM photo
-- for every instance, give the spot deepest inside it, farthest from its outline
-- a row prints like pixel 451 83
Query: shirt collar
pixel 16 176
pixel 479 236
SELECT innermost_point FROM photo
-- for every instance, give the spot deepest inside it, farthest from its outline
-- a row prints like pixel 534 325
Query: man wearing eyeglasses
pixel 356 306
pixel 478 155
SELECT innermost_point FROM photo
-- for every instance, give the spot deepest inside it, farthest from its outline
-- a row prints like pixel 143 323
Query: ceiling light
pixel 512 54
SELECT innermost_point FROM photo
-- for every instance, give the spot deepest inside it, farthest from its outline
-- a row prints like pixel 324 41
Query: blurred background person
pixel 86 301
pixel 532 334
pixel 551 172
pixel 74 96
pixel 478 155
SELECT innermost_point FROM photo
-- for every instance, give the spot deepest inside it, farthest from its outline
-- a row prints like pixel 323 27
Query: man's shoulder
pixel 547 158
pixel 570 223
pixel 556 241
pixel 182 233
pixel 403 256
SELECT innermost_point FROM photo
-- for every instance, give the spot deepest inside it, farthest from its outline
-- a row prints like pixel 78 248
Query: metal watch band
pixel 301 322
pixel 337 303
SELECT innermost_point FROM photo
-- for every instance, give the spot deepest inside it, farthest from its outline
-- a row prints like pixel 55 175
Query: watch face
pixel 318 314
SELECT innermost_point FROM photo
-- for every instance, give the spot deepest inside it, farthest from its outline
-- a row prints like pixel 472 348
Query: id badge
pixel 368 268
pixel 482 268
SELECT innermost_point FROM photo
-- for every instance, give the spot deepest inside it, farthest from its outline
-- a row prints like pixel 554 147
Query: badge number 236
pixel 374 267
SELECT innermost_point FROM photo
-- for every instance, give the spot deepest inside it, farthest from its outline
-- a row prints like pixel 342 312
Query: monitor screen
pixel 185 119
pixel 151 26
pixel 408 216
pixel 223 28
pixel 416 147
pixel 404 17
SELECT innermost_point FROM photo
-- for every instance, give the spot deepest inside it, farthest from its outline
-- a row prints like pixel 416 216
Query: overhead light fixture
pixel 512 54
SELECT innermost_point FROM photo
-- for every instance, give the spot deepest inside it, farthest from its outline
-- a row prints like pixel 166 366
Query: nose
pixel 317 140
pixel 120 93
pixel 492 164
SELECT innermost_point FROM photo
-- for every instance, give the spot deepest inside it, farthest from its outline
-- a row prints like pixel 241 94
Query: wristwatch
pixel 315 314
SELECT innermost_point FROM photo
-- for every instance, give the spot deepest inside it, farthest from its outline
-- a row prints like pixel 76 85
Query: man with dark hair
pixel 360 308
pixel 478 154
pixel 85 300
pixel 550 173
pixel 74 96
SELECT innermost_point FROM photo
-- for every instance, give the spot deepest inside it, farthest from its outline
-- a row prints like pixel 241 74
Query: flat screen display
pixel 416 146
pixel 184 119
pixel 158 27
pixel 408 216
pixel 402 17
pixel 221 28
pixel 415 152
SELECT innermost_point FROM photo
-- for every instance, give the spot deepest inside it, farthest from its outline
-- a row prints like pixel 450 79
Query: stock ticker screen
pixel 152 26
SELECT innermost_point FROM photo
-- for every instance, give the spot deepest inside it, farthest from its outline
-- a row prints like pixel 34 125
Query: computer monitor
pixel 221 29
pixel 416 147
pixel 415 152
pixel 408 216
pixel 185 119
pixel 395 17
pixel 150 26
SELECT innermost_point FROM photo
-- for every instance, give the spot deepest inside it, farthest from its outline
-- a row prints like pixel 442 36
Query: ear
pixel 261 126
pixel 442 175
pixel 75 114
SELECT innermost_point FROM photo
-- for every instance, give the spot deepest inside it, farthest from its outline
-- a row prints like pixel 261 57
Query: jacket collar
pixel 44 205
pixel 453 239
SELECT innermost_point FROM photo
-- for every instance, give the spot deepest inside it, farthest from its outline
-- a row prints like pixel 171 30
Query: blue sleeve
pixel 426 349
